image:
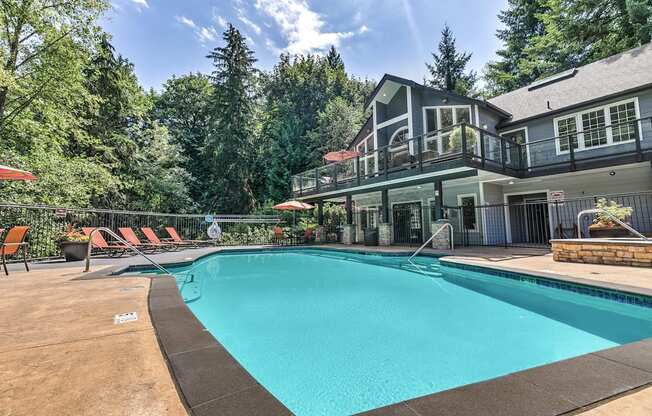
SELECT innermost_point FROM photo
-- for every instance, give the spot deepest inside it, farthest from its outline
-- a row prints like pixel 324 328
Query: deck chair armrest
pixel 24 243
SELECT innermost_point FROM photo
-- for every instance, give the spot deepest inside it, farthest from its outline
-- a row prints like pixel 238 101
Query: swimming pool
pixel 332 333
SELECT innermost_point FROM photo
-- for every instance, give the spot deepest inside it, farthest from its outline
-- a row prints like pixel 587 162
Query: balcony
pixel 464 145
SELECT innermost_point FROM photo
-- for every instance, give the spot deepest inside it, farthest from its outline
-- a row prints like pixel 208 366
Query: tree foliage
pixel 448 69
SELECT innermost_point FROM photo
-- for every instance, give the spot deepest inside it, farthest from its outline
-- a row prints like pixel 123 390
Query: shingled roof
pixel 616 75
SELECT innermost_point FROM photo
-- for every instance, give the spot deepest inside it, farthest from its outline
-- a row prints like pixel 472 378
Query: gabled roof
pixel 410 83
pixel 365 130
pixel 616 75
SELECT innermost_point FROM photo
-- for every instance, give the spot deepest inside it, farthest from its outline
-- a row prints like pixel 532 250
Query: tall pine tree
pixel 522 21
pixel 448 70
pixel 228 150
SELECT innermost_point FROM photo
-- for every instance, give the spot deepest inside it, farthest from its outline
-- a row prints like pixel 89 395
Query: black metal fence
pixel 49 223
pixel 534 222
pixel 529 223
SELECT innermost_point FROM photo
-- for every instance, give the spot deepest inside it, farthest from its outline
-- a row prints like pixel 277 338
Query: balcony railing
pixel 482 149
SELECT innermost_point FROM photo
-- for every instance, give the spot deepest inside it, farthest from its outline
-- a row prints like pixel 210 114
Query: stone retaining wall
pixel 603 251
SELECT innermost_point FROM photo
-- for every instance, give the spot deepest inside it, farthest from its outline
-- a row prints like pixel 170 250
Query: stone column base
pixel 442 240
pixel 320 234
pixel 384 234
pixel 348 234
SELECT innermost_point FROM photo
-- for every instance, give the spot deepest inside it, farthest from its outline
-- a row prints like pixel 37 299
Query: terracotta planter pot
pixel 601 231
pixel 74 250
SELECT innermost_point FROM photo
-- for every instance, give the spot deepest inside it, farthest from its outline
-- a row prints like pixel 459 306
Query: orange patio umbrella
pixel 12 174
pixel 340 155
pixel 293 206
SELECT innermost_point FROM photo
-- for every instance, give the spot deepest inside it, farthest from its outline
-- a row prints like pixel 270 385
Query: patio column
pixel 320 232
pixel 348 236
pixel 442 240
pixel 384 227
pixel 439 200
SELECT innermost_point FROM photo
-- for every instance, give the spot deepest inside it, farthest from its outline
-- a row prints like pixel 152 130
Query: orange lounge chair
pixel 177 239
pixel 130 236
pixel 154 240
pixel 14 241
pixel 278 234
pixel 308 236
pixel 98 241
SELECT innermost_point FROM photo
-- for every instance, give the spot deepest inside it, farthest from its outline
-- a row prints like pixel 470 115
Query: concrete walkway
pixel 62 354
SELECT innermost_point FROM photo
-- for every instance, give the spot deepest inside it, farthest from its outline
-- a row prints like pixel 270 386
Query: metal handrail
pixel 126 243
pixel 446 225
pixel 610 215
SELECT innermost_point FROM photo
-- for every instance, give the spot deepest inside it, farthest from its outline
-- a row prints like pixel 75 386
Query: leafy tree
pixel 183 107
pixel 337 124
pixel 229 147
pixel 448 70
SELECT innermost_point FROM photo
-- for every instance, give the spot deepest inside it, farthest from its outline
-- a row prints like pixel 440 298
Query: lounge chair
pixel 14 241
pixel 154 240
pixel 308 235
pixel 130 236
pixel 177 239
pixel 279 236
pixel 99 243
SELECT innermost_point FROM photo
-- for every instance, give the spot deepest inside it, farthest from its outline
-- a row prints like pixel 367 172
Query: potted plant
pixel 455 141
pixel 604 226
pixel 73 243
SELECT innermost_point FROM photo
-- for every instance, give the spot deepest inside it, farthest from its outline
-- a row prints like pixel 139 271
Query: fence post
pixel 317 179
pixel 335 175
pixel 505 208
pixel 482 157
pixel 357 164
pixel 386 159
pixel 560 226
pixel 463 135
pixel 300 184
pixel 637 137
pixel 503 153
pixel 420 150
pixel 571 150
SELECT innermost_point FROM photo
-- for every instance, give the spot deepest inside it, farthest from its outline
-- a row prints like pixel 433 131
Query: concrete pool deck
pixel 62 354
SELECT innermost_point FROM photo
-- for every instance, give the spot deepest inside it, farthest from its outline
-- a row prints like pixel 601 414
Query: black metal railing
pixel 47 224
pixel 486 150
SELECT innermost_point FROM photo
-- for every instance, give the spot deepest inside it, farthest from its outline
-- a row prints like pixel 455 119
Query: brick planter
pixel 620 252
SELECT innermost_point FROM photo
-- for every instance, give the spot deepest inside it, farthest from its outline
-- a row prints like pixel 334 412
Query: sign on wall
pixel 557 196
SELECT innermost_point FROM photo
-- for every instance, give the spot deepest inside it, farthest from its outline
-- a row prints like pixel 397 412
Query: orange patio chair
pixel 99 243
pixel 278 234
pixel 130 236
pixel 14 241
pixel 155 241
pixel 308 235
pixel 177 238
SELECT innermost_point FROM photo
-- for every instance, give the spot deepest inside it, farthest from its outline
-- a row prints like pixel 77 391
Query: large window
pixel 467 204
pixel 437 120
pixel 367 158
pixel 598 127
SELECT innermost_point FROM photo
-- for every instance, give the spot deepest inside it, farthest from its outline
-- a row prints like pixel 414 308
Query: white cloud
pixel 363 29
pixel 300 26
pixel 248 22
pixel 141 3
pixel 186 21
pixel 222 22
pixel 204 34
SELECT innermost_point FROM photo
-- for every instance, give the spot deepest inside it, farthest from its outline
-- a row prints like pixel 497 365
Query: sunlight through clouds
pixel 204 34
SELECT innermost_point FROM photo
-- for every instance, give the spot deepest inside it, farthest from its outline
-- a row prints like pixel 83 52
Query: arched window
pixel 399 137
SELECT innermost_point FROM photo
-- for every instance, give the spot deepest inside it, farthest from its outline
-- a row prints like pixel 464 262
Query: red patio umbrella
pixel 340 155
pixel 12 174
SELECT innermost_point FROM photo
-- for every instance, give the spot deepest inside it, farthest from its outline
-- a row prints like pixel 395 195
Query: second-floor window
pixel 367 158
pixel 441 118
pixel 598 127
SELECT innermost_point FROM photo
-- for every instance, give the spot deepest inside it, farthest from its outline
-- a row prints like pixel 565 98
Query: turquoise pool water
pixel 335 333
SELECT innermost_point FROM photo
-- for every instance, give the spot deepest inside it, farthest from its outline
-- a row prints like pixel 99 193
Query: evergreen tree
pixel 334 59
pixel 448 70
pixel 522 21
pixel 229 149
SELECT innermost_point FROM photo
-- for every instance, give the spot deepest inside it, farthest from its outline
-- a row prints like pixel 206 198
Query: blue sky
pixel 166 37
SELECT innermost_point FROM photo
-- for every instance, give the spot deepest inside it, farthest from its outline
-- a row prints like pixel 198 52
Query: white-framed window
pixel 438 118
pixel 367 158
pixel 597 127
pixel 400 137
pixel 469 215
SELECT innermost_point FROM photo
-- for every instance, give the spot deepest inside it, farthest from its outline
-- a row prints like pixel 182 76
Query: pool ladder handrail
pixel 446 225
pixel 610 215
pixel 123 241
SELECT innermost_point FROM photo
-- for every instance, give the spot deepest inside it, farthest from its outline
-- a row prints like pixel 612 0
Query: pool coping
pixel 210 381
